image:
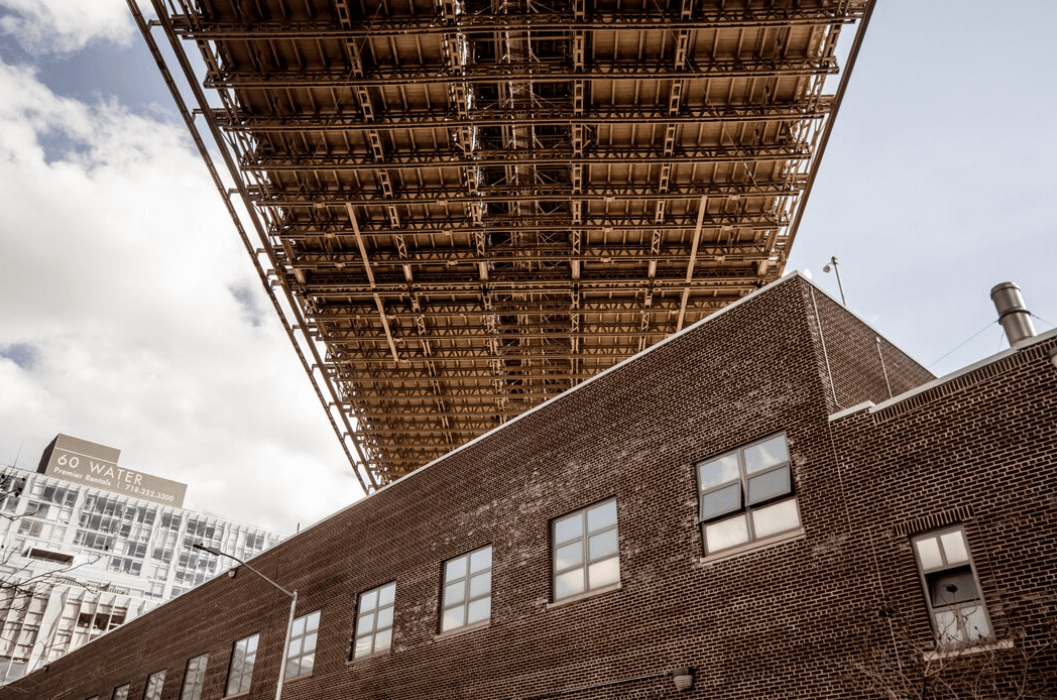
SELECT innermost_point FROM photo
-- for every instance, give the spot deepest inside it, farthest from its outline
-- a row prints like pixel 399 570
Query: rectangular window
pixel 243 657
pixel 374 621
pixel 154 686
pixel 467 597
pixel 301 654
pixel 747 495
pixel 120 693
pixel 586 551
pixel 194 677
pixel 959 616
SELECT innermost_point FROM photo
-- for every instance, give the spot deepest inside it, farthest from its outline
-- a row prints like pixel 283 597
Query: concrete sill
pixel 583 596
pixel 484 624
pixel 991 647
pixel 753 546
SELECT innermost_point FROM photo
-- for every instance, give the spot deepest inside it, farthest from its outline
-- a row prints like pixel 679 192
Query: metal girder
pixel 532 193
pixel 643 155
pixel 556 23
pixel 538 72
pixel 486 117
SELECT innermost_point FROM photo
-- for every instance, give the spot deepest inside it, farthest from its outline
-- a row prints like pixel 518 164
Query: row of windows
pixel 745 496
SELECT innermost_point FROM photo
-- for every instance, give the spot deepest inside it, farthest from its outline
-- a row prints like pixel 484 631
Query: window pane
pixel 387 594
pixel 769 485
pixel 309 645
pixel 365 624
pixel 454 569
pixel 947 626
pixel 766 454
pixel 602 545
pixel 726 533
pixel 295 648
pixel 308 662
pixel 954 547
pixel 480 584
pixel 952 586
pixel 929 553
pixel 569 583
pixel 602 516
pixel 454 593
pixel 385 618
pixel 363 646
pixel 718 472
pixel 479 610
pixel 312 623
pixel 298 627
pixel 481 560
pixel 569 528
pixel 383 640
pixel 569 555
pixel 369 600
pixel 453 617
pixel 291 668
pixel 725 500
pixel 976 625
pixel 604 573
pixel 251 643
pixel 777 518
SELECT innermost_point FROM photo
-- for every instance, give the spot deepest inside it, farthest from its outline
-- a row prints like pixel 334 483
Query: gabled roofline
pixel 795 274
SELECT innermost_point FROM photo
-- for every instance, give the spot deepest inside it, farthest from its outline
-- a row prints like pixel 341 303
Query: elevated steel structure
pixel 463 207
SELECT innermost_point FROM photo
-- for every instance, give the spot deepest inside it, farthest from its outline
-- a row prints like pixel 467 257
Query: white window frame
pixel 741 523
pixel 573 551
pixel 194 678
pixel 300 656
pixel 155 686
pixel 375 613
pixel 250 645
pixel 942 554
pixel 466 590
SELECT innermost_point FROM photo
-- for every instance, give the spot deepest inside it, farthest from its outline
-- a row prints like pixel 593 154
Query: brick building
pixel 775 498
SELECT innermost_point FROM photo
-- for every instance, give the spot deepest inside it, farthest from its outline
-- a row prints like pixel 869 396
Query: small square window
pixel 154 686
pixel 467 590
pixel 301 653
pixel 586 550
pixel 959 615
pixel 374 621
pixel 243 658
pixel 120 693
pixel 194 678
pixel 747 495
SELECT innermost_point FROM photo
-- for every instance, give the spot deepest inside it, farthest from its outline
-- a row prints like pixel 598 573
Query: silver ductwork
pixel 1012 313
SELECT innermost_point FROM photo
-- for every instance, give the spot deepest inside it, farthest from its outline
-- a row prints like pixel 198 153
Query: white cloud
pixel 59 26
pixel 124 280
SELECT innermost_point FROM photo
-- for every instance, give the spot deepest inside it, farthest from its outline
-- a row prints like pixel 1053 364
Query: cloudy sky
pixel 130 314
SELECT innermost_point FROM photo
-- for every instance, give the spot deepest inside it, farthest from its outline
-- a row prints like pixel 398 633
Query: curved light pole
pixel 289 622
pixel 832 264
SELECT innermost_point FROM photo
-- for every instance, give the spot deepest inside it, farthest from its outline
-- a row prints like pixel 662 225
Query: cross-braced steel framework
pixel 463 207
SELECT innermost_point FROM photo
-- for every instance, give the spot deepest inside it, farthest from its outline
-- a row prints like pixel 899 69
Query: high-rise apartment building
pixel 88 544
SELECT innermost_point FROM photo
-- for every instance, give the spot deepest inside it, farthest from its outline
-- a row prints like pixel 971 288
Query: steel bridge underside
pixel 464 208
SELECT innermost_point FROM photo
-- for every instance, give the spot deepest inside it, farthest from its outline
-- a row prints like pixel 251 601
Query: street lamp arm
pixel 217 552
pixel 289 621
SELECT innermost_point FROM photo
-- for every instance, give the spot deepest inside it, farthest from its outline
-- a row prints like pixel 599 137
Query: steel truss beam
pixel 462 214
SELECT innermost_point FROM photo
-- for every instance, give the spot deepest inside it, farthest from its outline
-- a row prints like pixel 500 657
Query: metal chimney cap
pixel 1004 285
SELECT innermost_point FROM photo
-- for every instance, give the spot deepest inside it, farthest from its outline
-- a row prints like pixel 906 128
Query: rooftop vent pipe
pixel 1012 314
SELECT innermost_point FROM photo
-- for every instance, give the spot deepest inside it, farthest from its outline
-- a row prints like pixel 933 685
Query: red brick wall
pixel 777 622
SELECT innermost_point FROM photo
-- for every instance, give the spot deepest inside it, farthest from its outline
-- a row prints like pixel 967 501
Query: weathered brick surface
pixel 780 621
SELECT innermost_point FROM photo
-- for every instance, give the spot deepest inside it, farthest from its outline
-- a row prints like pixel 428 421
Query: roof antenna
pixel 832 266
